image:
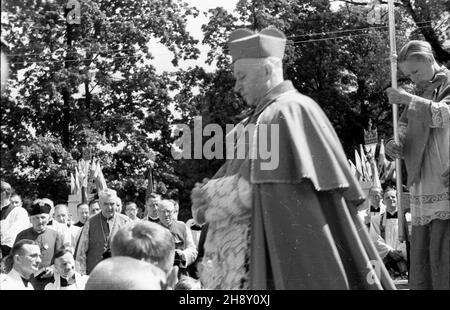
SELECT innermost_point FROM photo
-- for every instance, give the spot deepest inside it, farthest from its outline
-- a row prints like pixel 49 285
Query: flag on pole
pixel 375 176
pixel 77 181
pixel 365 164
pixel 354 170
pixel 100 182
pixel 382 161
pixel 359 165
pixel 150 185
pixel 72 184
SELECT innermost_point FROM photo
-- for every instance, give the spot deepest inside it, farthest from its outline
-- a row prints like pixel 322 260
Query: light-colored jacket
pixel 65 231
pixel 80 282
pixel 16 221
pixel 13 281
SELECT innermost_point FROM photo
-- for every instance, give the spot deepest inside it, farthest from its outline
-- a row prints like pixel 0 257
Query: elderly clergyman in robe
pixel 294 225
pixel 94 243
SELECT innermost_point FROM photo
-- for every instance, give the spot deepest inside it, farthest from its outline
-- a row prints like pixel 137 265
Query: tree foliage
pixel 91 85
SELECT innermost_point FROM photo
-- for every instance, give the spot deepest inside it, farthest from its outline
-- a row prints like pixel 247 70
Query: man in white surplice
pixel 384 233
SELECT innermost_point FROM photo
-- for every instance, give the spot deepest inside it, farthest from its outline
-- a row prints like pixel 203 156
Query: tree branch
pixel 428 33
pixel 365 3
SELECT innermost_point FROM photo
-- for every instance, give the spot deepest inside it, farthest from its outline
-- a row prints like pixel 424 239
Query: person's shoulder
pixel 180 225
pixel 6 282
pixel 123 217
pixel 293 104
pixel 24 233
pixel 82 278
pixel 20 211
pixel 3 277
pixel 91 219
pixel 54 230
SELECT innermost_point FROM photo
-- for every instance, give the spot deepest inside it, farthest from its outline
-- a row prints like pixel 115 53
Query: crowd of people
pixel 52 252
pixel 293 226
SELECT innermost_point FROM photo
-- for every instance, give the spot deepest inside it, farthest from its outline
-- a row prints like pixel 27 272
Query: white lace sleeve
pixel 434 114
pixel 440 114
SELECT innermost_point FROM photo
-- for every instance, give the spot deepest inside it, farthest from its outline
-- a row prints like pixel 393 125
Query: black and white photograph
pixel 240 147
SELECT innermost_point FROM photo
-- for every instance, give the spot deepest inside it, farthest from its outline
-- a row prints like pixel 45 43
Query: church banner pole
pixel 398 163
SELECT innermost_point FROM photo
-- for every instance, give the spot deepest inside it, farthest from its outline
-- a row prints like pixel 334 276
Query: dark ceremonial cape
pixel 305 232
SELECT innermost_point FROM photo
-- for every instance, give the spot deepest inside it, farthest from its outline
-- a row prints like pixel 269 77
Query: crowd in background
pixel 44 249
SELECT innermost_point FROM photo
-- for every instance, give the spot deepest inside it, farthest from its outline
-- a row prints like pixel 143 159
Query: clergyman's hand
pixel 48 272
pixel 398 96
pixel 394 150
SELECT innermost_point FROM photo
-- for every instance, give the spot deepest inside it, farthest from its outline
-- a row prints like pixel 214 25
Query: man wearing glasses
pixel 185 250
pixel 23 260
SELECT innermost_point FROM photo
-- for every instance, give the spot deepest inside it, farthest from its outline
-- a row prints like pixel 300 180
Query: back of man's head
pixel 126 273
pixel 145 241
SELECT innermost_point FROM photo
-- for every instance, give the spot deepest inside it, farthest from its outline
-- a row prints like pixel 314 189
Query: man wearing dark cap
pixel 289 222
pixel 48 239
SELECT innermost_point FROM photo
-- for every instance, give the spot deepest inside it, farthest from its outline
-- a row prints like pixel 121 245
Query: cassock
pixel 290 224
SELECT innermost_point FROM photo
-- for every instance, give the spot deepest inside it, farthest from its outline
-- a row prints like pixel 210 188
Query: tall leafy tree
pixel 91 85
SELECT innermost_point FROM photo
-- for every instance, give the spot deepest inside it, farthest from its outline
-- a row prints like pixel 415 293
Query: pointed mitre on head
pixel 244 43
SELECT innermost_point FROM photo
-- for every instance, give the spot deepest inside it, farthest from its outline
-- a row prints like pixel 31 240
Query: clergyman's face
pixel 108 205
pixel 418 70
pixel 251 80
pixel 65 265
pixel 39 221
pixel 131 211
pixel 152 206
pixel 83 213
pixel 390 200
pixel 61 215
pixel 375 197
pixel 166 213
pixel 16 201
pixel 94 208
